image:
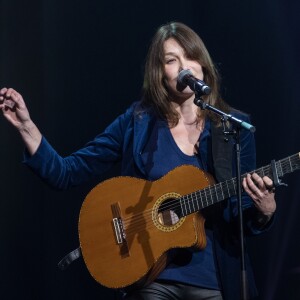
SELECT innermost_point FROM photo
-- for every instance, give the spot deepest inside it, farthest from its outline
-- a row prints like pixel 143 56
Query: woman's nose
pixel 183 67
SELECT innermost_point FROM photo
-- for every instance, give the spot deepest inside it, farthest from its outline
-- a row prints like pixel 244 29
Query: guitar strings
pixel 139 219
pixel 203 191
pixel 135 221
pixel 145 218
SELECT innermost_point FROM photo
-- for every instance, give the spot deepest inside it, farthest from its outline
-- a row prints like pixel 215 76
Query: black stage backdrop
pixel 79 64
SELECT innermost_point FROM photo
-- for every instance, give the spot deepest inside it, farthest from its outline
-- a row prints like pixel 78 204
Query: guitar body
pixel 124 232
pixel 126 225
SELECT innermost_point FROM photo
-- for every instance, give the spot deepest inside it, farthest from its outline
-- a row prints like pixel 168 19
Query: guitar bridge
pixel 119 230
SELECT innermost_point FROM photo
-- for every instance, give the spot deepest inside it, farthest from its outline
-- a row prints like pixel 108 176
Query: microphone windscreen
pixel 182 74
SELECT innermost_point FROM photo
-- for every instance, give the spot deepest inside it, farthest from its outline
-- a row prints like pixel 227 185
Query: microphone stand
pixel 237 125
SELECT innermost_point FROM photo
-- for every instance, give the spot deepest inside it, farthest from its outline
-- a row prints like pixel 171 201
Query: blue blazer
pixel 123 141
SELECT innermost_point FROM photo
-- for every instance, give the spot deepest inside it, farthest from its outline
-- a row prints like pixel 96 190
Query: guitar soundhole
pixel 169 212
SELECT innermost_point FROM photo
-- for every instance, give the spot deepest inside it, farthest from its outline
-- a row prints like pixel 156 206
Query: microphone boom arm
pixel 226 117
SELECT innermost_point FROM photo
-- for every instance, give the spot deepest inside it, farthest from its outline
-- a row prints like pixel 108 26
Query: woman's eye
pixel 170 60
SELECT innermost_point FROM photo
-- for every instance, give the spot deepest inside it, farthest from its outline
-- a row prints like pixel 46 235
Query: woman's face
pixel 175 61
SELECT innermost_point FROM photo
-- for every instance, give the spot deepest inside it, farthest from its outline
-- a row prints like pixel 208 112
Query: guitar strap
pixel 69 258
pixel 222 164
pixel 222 151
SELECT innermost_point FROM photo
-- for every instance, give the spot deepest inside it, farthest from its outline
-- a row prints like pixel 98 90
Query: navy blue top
pixel 161 155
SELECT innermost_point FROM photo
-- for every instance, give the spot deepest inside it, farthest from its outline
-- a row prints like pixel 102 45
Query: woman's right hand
pixel 15 111
pixel 13 108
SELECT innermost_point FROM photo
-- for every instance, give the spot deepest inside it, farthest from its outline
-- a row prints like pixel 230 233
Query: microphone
pixel 185 77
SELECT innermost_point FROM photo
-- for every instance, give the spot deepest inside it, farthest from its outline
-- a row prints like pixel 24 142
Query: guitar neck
pixel 213 194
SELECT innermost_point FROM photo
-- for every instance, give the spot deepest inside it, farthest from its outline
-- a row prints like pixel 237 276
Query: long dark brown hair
pixel 155 93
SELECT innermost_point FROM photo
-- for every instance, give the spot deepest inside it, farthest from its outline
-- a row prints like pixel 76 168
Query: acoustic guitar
pixel 127 225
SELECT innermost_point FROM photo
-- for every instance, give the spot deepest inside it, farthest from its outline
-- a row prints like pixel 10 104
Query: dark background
pixel 79 64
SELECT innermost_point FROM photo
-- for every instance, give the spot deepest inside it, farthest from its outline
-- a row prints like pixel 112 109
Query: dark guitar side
pixel 135 201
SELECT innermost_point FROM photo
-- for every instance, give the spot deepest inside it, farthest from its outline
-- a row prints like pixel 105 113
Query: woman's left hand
pixel 262 192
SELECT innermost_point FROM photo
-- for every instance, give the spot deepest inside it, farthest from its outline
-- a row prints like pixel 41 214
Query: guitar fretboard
pixel 212 194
